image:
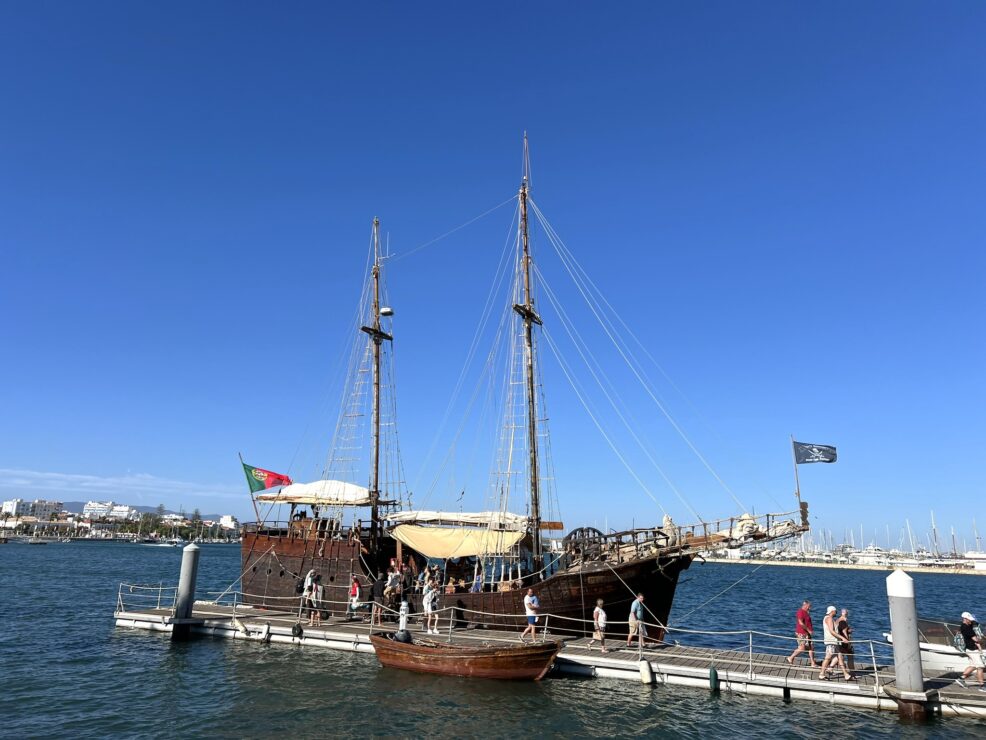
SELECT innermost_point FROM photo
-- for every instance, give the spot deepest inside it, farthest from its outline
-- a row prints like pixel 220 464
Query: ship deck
pixel 746 672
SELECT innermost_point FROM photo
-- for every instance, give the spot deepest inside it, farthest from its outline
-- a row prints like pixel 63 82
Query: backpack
pixel 958 642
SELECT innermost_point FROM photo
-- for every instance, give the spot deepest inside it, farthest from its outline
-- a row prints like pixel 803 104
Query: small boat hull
pixel 513 662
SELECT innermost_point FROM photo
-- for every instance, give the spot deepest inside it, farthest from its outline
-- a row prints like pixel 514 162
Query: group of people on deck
pixel 836 637
pixel 388 589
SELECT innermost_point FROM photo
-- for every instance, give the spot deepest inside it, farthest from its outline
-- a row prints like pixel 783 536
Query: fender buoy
pixel 297 630
pixel 714 680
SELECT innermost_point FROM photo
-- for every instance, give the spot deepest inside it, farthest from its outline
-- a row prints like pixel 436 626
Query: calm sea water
pixel 66 670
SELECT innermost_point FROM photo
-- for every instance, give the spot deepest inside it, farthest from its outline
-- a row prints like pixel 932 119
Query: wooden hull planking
pixel 517 663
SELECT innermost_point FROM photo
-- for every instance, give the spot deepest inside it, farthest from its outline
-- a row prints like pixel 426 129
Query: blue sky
pixel 784 201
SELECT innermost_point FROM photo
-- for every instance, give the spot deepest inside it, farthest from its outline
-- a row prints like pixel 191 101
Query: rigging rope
pixel 565 257
pixel 498 278
pixel 592 416
pixel 633 593
pixel 401 255
pixel 240 576
pixel 709 601
pixel 579 344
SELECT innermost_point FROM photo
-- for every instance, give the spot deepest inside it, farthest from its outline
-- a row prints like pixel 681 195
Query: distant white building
pixel 173 518
pixel 41 509
pixel 126 513
pixel 17 507
pixel 97 509
pixel 44 509
pixel 228 521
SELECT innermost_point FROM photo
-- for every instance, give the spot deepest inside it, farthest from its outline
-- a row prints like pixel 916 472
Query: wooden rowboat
pixel 517 662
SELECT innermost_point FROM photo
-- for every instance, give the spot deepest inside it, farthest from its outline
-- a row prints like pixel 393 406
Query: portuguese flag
pixel 259 479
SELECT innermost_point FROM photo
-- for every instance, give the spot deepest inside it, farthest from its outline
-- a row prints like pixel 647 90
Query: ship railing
pixel 144 597
pixel 306 528
pixel 679 539
pixel 873 654
pixel 281 605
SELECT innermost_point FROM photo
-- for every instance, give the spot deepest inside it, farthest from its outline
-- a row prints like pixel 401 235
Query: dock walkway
pixel 743 672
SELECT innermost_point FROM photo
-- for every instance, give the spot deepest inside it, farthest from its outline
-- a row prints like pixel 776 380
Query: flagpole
pixel 797 483
pixel 253 501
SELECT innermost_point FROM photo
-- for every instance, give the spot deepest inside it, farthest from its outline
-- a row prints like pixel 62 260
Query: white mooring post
pixel 909 684
pixel 186 589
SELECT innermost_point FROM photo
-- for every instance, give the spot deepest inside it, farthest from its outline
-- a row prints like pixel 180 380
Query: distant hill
pixel 76 507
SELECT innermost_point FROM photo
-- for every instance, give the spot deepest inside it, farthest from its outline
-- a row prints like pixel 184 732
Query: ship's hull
pixel 515 662
pixel 273 566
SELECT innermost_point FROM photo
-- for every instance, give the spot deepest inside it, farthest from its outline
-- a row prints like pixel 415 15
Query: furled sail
pixel 320 493
pixel 455 542
pixel 494 519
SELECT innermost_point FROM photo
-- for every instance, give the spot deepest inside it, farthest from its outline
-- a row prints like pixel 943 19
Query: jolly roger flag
pixel 809 453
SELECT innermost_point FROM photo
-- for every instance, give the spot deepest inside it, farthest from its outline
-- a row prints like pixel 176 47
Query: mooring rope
pixel 709 601
pixel 240 576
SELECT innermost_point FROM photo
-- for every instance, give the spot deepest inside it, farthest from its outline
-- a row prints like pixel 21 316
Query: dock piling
pixel 909 690
pixel 185 598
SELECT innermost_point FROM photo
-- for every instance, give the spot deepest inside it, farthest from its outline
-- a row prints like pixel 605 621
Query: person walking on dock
pixel 832 654
pixel 377 590
pixel 599 627
pixel 637 626
pixel 531 606
pixel 972 634
pixel 803 633
pixel 844 631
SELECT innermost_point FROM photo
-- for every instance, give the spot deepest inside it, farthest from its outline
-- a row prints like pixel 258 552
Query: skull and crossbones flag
pixel 809 453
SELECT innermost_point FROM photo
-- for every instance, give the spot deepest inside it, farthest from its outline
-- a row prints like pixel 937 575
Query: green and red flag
pixel 260 479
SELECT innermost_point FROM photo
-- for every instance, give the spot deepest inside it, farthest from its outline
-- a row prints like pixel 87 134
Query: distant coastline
pixel 848 566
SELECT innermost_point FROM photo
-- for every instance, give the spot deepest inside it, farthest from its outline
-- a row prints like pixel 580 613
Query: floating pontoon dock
pixel 759 669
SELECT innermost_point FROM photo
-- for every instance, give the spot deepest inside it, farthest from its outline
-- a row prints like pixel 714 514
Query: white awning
pixel 496 519
pixel 320 493
pixel 455 542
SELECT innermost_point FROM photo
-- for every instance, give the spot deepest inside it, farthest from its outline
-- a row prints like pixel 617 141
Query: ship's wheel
pixel 584 541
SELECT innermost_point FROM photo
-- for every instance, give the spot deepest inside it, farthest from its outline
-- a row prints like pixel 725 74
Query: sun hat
pixel 830 610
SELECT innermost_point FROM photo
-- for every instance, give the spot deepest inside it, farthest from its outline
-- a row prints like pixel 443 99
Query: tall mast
pixel 530 317
pixel 378 336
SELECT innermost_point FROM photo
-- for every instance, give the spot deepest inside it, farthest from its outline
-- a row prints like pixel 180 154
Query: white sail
pixel 320 493
pixel 493 519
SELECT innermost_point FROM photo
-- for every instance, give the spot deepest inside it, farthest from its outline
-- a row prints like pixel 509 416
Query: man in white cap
pixel 972 635
pixel 831 638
